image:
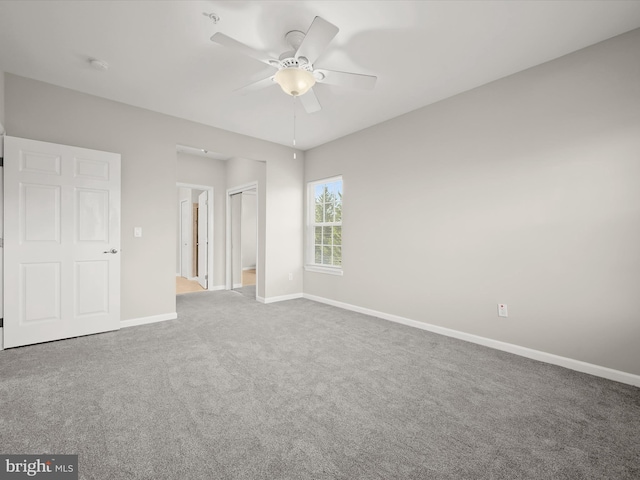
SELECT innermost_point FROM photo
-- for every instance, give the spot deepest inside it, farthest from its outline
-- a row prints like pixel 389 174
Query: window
pixel 325 226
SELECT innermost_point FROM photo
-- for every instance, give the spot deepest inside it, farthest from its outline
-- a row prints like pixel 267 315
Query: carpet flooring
pixel 235 389
pixel 248 291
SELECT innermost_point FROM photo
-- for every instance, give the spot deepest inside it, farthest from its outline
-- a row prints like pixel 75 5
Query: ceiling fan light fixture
pixel 295 81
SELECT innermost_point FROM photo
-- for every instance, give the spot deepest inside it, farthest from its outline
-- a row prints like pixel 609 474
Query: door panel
pixel 40 213
pixel 93 215
pixel 91 169
pixel 40 292
pixel 40 162
pixel 92 287
pixel 62 241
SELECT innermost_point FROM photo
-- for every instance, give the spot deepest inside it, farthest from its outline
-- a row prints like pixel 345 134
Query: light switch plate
pixel 502 310
pixel 137 231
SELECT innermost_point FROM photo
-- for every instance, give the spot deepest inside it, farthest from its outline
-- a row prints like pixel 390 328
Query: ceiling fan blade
pixel 316 39
pixel 239 47
pixel 310 102
pixel 345 79
pixel 259 85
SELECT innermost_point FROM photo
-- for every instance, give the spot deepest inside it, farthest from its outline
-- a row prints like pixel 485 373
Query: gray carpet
pixel 248 291
pixel 235 389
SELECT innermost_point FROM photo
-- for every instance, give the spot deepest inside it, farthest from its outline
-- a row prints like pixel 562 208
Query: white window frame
pixel 310 264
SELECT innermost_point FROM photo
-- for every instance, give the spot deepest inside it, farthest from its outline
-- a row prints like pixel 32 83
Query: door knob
pixel 113 250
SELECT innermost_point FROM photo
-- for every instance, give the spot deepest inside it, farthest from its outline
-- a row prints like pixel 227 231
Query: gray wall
pixel 284 221
pixel 524 191
pixel 147 142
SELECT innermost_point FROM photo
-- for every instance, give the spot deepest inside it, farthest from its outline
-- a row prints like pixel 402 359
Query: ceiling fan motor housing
pixel 287 61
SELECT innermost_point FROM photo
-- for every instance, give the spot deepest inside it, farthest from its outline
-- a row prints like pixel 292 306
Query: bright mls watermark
pixel 49 467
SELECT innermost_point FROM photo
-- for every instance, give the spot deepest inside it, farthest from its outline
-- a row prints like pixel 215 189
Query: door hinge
pixel 206 277
pixel 1 322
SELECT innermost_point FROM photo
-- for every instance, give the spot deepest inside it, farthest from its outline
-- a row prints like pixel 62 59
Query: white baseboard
pixel 217 287
pixel 146 320
pixel 570 363
pixel 1 339
pixel 281 298
pixel 248 268
pixel 237 285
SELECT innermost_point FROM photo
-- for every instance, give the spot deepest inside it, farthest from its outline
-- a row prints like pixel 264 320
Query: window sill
pixel 320 269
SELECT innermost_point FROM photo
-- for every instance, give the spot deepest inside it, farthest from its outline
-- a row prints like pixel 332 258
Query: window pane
pixel 319 217
pixel 338 209
pixel 318 235
pixel 318 254
pixel 337 256
pixel 326 255
pixel 328 211
pixel 327 235
pixel 337 236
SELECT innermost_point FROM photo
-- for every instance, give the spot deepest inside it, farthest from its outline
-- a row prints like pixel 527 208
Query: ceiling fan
pixel 296 73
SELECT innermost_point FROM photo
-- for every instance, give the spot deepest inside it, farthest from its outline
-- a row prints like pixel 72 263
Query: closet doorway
pixel 242 239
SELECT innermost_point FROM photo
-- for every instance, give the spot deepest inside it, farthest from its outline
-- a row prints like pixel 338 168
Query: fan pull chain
pixel 294 127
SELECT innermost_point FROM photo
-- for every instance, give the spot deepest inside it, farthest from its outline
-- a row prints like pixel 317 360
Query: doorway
pixel 242 240
pixel 194 268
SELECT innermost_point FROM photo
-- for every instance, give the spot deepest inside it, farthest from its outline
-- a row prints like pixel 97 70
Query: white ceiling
pixel 160 56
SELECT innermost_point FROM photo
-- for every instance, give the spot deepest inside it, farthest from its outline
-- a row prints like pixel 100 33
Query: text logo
pixel 45 467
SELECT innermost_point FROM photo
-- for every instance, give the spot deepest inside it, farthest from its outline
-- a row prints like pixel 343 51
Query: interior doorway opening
pixel 194 267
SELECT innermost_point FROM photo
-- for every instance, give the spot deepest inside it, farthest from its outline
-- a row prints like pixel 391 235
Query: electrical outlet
pixel 137 231
pixel 502 310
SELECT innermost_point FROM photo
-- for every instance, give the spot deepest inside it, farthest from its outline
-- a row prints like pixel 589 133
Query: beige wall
pixel 147 142
pixel 524 191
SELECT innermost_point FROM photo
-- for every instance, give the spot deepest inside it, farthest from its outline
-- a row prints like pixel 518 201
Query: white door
pixel 62 241
pixel 185 239
pixel 203 229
